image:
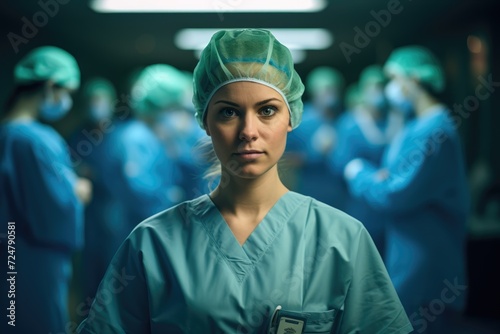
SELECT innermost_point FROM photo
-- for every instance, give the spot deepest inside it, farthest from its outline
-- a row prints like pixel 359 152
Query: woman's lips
pixel 249 155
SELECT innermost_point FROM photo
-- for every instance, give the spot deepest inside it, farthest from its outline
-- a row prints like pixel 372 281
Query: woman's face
pixel 248 123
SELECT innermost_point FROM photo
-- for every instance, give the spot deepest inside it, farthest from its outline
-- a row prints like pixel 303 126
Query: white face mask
pixel 397 99
pixel 100 109
pixel 52 110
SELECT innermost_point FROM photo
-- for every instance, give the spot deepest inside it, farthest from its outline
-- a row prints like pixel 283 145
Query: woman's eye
pixel 268 111
pixel 228 112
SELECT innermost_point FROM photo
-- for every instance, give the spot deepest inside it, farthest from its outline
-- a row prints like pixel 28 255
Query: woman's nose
pixel 248 130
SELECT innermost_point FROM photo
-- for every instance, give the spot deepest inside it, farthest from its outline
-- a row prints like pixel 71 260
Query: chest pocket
pixel 325 322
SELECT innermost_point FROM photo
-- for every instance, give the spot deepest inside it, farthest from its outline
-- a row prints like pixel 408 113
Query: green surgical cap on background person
pixel 48 63
pixel 322 78
pixel 246 55
pixel 187 100
pixel 99 86
pixel 416 62
pixel 352 96
pixel 371 75
pixel 157 88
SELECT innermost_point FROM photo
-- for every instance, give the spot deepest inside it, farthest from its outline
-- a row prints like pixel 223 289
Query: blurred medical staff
pixel 309 146
pixel 106 224
pixel 421 186
pixel 142 173
pixel 41 200
pixel 352 97
pixel 179 132
pixel 365 132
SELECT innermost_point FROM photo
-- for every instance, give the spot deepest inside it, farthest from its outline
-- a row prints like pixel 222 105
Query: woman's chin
pixel 250 172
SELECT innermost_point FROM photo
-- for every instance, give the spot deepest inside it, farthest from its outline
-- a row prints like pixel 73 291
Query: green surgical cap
pixel 158 87
pixel 352 96
pixel 246 55
pixel 99 86
pixel 48 63
pixel 373 74
pixel 322 78
pixel 416 62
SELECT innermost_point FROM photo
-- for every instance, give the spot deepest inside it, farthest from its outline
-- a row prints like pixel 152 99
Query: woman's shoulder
pixel 174 220
pixel 325 215
pixel 329 227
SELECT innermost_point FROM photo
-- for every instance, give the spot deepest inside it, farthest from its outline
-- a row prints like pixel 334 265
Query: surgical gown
pixel 183 271
pixel 180 134
pixel 37 185
pixel 361 136
pixel 131 176
pixel 142 174
pixel 310 144
pixel 426 201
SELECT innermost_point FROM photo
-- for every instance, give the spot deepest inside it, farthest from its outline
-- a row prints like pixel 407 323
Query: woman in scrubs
pixel 251 256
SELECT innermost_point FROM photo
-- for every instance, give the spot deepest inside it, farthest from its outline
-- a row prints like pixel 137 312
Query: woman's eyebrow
pixel 267 101
pixel 227 102
pixel 257 104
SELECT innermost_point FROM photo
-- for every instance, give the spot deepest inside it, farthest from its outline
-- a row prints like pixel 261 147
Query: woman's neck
pixel 248 196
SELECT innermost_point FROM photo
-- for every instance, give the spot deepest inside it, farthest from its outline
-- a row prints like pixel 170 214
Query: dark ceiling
pixel 115 44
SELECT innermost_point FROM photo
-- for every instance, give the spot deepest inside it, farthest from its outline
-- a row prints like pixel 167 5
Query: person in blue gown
pixel 41 202
pixel 138 172
pixel 179 133
pixel 251 256
pixel 421 187
pixel 129 168
pixel 309 146
pixel 106 219
pixel 364 132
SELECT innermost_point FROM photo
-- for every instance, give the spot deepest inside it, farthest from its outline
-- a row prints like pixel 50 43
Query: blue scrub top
pixel 132 178
pixel 138 171
pixel 361 136
pixel 180 135
pixel 313 175
pixel 183 271
pixel 37 185
pixel 426 200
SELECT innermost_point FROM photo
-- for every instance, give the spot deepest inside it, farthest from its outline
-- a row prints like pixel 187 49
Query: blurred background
pixel 113 39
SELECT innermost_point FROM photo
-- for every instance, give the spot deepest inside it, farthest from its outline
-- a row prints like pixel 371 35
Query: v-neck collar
pixel 243 258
